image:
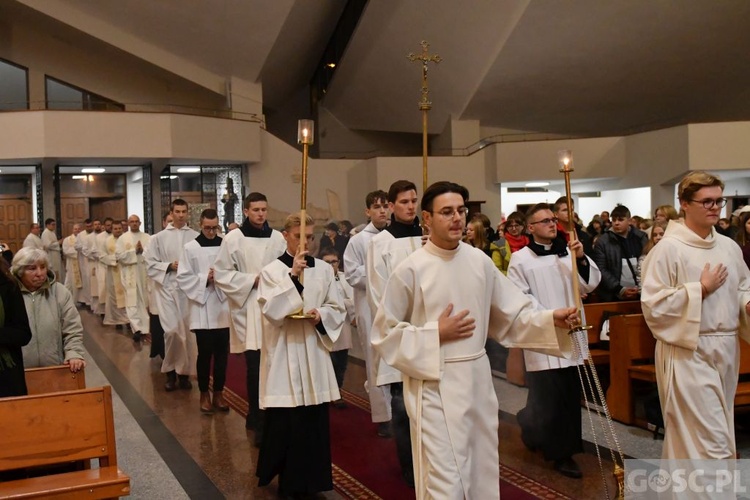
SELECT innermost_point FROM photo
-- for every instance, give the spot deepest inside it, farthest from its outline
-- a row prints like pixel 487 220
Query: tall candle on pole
pixel 565 160
pixel 305 136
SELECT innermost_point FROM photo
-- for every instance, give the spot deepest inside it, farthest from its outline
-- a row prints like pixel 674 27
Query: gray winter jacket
pixel 56 330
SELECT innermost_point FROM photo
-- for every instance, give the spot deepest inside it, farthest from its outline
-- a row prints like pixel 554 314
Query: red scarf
pixel 563 231
pixel 516 242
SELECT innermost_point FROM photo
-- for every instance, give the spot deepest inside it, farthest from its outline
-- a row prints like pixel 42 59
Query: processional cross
pixel 424 104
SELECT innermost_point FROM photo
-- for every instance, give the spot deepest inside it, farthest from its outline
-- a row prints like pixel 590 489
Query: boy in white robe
pixel 162 262
pixel 297 380
pixel 243 254
pixel 440 305
pixel 386 251
pixel 340 349
pixel 52 246
pixel 209 311
pixel 696 290
pixel 114 307
pixel 129 254
pixel 73 259
pixel 33 239
pixel 551 420
pixel 355 273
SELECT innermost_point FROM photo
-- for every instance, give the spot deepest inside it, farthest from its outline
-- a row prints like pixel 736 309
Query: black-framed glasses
pixel 553 220
pixel 332 262
pixel 449 213
pixel 710 203
pixel 211 228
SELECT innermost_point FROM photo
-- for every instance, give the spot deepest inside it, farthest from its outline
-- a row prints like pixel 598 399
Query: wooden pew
pixel 59 428
pixel 54 379
pixel 632 346
pixel 515 366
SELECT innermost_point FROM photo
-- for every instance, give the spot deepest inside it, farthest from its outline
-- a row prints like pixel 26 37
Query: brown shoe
pixel 219 402
pixel 206 407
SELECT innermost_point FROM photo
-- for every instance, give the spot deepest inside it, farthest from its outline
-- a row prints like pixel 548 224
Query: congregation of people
pixel 422 286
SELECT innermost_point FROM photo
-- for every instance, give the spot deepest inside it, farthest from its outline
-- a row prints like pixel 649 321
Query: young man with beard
pixel 209 311
pixel 696 300
pixel 297 380
pixel 385 252
pixel 439 307
pixel 551 420
pixel 355 260
pixel 162 262
pixel 243 254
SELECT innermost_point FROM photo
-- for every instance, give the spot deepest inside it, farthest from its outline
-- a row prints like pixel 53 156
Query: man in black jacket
pixel 616 255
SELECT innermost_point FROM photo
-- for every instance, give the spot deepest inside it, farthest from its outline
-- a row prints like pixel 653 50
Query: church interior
pixel 109 109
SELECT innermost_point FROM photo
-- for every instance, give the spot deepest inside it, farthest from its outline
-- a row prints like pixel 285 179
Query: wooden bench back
pixel 631 338
pixel 54 379
pixel 594 312
pixel 56 428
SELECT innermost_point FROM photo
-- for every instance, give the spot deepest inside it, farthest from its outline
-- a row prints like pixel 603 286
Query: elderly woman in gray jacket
pixel 56 330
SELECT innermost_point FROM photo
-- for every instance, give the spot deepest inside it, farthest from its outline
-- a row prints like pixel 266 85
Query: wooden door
pixel 15 220
pixel 112 207
pixel 73 211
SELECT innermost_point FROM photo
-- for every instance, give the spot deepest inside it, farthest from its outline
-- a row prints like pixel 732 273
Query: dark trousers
pixel 340 359
pixel 212 344
pixel 401 431
pixel 157 336
pixel 551 420
pixel 297 447
pixel 254 418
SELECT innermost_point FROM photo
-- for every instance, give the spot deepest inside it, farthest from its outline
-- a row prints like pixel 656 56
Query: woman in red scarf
pixel 514 232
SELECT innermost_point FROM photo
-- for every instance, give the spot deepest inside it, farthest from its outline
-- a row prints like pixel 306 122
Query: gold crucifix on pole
pixel 424 105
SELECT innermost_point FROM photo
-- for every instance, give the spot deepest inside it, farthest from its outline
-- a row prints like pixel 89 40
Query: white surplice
pixel 208 305
pixel 33 241
pixel 52 247
pixel 355 273
pixel 546 280
pixel 344 340
pixel 697 351
pixel 73 276
pixel 384 254
pixel 164 248
pixel 134 279
pixel 82 248
pixel 448 389
pixel 236 268
pixel 296 368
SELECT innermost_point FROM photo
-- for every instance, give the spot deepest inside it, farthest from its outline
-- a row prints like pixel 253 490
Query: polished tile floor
pixel 172 451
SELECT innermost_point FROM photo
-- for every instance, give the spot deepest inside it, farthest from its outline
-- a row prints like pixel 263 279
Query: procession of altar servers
pixel 256 280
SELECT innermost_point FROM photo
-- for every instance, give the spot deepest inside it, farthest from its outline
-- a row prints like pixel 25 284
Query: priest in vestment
pixel 543 270
pixel 297 380
pixel 52 246
pixel 162 261
pixel 100 252
pixel 696 290
pixel 355 259
pixel 243 254
pixel 73 263
pixel 82 242
pixel 439 307
pixel 129 253
pixel 114 307
pixel 88 247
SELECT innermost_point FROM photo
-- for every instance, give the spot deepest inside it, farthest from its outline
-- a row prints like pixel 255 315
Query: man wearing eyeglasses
pixel 439 307
pixel 543 270
pixel 616 255
pixel 243 253
pixel 208 309
pixel 696 299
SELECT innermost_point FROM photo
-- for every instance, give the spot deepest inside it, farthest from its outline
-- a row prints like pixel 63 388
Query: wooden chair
pixel 54 379
pixel 59 428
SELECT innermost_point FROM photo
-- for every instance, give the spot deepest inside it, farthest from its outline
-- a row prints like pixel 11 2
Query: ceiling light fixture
pixel 96 170
pixel 536 184
pixel 188 170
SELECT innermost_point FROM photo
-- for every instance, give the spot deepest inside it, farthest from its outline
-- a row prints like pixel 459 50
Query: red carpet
pixel 364 465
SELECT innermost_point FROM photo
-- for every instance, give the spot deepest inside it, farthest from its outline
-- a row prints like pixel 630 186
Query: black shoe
pixel 340 404
pixel 528 444
pixel 568 467
pixel 171 384
pixel 384 429
pixel 137 336
pixel 118 327
pixel 184 382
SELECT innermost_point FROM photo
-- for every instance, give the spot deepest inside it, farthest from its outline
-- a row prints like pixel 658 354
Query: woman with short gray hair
pixel 57 333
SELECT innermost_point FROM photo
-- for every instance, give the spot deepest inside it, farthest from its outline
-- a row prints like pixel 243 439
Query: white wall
pixel 135 194
pixel 638 201
pixel 509 201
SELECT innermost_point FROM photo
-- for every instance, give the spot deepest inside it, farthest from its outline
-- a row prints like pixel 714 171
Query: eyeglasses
pixel 510 226
pixel 332 262
pixel 553 220
pixel 449 213
pixel 211 228
pixel 709 203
